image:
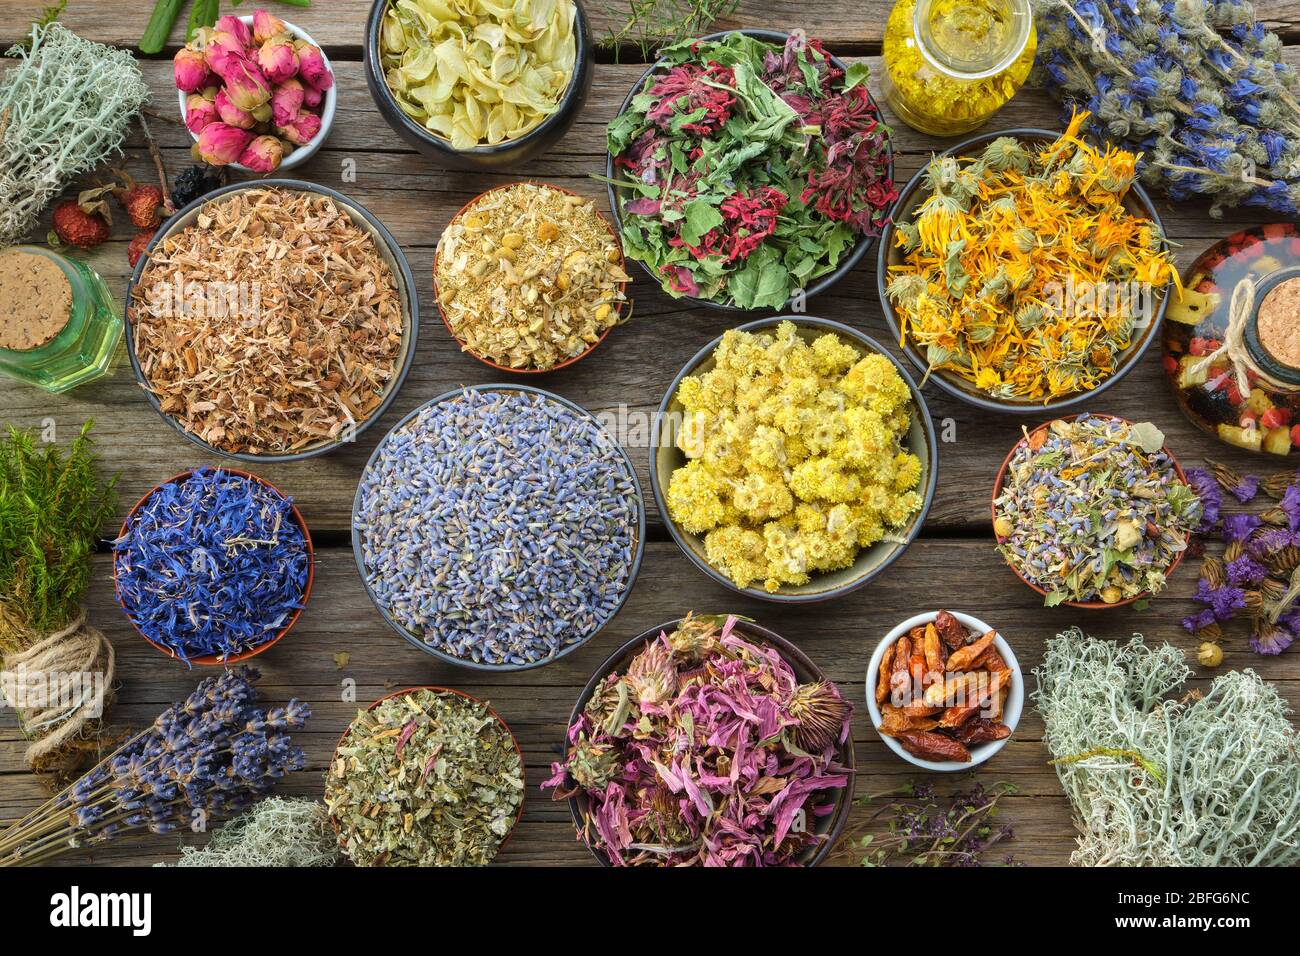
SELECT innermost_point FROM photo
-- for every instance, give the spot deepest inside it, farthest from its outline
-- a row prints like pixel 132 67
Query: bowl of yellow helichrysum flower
pixel 794 459
pixel 1025 270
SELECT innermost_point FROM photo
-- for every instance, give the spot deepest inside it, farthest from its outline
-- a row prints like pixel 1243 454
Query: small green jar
pixel 87 345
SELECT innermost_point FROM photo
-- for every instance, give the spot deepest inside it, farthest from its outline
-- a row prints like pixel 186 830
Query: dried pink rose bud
pixel 311 97
pixel 286 101
pixel 277 59
pixel 191 69
pixel 236 28
pixel 231 114
pixel 221 144
pixel 247 87
pixel 200 110
pixel 265 26
pixel 222 51
pixel 311 65
pixel 303 129
pixel 262 155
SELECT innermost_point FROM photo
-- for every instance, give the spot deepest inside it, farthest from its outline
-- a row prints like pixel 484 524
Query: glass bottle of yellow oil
pixel 951 64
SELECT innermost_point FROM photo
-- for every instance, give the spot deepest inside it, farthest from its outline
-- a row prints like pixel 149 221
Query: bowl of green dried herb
pixel 1024 270
pixel 457 754
pixel 749 170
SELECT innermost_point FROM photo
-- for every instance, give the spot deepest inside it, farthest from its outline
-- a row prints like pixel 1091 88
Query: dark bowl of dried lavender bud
pixel 213 566
pixel 243 350
pixel 665 662
pixel 498 527
pixel 1109 502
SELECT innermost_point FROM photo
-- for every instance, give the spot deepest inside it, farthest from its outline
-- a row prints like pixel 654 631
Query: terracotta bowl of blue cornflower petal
pixel 212 660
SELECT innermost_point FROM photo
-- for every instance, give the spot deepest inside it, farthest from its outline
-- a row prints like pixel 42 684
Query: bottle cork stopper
pixel 35 300
pixel 1278 323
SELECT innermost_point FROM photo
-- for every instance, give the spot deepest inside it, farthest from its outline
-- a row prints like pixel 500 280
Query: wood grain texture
pixel 954 561
pixel 339 25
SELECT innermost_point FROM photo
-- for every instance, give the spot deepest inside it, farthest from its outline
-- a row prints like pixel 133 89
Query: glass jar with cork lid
pixel 59 326
pixel 952 64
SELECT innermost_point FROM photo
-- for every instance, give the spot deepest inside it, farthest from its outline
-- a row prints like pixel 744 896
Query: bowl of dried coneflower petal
pixel 240 345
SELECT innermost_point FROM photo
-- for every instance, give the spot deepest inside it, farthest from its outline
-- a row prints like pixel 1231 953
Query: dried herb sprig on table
pixel 652 23
pixel 53 506
pixel 1158 780
pixel 925 829
pixel 210 756
pixel 1197 86
pixel 65 108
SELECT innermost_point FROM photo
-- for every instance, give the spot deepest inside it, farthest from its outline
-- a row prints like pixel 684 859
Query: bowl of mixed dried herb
pixel 794 459
pixel 645 791
pixel 1025 270
pixel 242 348
pixel 529 277
pixel 498 527
pixel 213 566
pixel 476 85
pixel 749 170
pixel 465 781
pixel 944 691
pixel 1093 512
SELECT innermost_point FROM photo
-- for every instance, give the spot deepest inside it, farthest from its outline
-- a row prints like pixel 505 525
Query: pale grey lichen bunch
pixel 500 527
pixel 64 110
pixel 1158 777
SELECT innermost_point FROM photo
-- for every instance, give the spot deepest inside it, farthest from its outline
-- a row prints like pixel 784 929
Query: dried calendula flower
pixel 270 324
pixel 529 276
pixel 478 72
pixel 1023 272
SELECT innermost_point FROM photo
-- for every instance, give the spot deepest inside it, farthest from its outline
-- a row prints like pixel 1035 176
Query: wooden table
pixel 953 563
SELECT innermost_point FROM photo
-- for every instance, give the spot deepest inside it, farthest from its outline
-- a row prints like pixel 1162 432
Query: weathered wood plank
pixel 536 704
pixel 630 371
pixel 340 24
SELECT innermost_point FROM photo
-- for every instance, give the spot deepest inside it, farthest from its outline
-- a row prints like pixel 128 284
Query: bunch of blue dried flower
pixel 1197 86
pixel 210 756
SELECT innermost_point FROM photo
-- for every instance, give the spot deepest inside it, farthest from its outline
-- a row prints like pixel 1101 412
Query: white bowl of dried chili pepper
pixel 944 691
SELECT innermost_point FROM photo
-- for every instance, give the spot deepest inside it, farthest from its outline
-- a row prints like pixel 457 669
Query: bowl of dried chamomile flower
pixel 529 277
pixel 241 347
pixel 1025 271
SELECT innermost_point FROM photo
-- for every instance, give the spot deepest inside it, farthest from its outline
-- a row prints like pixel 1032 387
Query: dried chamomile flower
pixel 478 72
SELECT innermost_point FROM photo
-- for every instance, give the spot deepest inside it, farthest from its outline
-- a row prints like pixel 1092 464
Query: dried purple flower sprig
pixel 924 829
pixel 1258 575
pixel 1197 86
pixel 212 755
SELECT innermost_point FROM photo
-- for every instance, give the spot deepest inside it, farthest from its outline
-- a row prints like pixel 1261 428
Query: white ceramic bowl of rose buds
pixel 951 693
pixel 261 120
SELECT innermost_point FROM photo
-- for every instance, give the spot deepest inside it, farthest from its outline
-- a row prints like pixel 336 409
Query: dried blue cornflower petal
pixel 212 564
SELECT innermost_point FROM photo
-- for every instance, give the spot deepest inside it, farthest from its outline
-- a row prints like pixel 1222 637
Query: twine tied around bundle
pixel 1240 308
pixel 31 675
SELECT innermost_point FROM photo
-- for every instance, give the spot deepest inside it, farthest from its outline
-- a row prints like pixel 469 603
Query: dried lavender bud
pixel 501 527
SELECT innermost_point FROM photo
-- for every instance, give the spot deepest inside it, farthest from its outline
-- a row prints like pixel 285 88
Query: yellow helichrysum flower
pixel 801 459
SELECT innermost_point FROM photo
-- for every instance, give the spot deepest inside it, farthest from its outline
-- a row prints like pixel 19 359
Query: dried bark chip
pixel 270 324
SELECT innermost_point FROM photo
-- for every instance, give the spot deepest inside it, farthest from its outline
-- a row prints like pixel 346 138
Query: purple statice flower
pixel 1245 571
pixel 1224 601
pixel 1271 540
pixel 1271 639
pixel 1291 505
pixel 1243 487
pixel 1207 489
pixel 1200 620
pixel 1240 527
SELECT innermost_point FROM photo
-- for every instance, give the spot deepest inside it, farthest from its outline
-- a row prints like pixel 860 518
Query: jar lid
pixel 1273 333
